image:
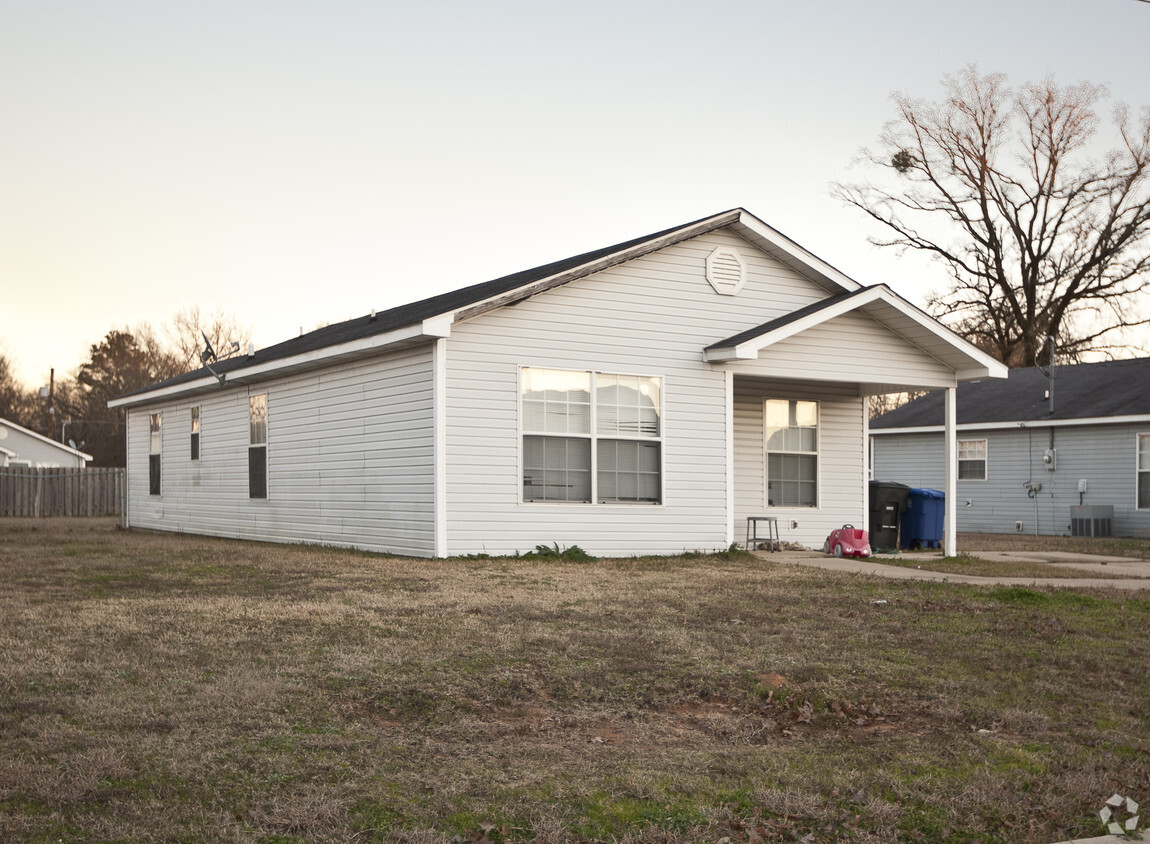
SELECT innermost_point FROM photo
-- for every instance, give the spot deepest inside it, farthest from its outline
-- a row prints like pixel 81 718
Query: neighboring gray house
pixel 1025 462
pixel 21 447
pixel 643 398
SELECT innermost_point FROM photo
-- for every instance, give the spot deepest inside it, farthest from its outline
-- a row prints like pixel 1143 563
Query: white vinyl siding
pixel 352 460
pixel 651 315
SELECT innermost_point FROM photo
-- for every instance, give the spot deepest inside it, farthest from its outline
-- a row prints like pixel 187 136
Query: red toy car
pixel 847 541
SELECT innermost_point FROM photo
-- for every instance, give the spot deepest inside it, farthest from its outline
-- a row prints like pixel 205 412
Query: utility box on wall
pixel 1092 520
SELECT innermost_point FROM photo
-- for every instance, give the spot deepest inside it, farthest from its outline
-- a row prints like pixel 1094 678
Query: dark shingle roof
pixel 767 327
pixel 416 312
pixel 1081 391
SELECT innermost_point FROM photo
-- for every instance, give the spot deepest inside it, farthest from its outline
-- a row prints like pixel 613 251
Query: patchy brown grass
pixel 982 567
pixel 1116 546
pixel 188 689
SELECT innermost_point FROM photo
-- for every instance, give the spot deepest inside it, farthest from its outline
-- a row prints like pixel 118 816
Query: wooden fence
pixel 25 491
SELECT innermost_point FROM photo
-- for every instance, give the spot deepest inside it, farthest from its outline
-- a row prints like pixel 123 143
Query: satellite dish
pixel 208 353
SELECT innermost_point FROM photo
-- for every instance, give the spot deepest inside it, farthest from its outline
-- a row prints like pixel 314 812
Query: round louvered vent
pixel 726 271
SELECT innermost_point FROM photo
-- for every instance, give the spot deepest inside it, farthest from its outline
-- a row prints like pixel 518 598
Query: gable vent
pixel 726 271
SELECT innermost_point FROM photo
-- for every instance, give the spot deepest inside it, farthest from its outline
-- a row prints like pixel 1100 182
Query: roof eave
pixel 426 330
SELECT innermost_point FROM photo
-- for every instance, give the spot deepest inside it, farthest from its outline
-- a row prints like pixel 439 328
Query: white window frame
pixel 156 450
pixel 594 437
pixel 1139 440
pixel 985 460
pixel 817 453
pixel 195 438
pixel 253 443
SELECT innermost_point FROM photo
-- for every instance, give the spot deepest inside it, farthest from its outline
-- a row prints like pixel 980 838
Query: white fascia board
pixel 1140 419
pixel 7 451
pixel 429 328
pixel 781 243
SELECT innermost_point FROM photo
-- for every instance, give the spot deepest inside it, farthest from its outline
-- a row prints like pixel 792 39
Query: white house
pixel 21 447
pixel 643 398
pixel 1068 455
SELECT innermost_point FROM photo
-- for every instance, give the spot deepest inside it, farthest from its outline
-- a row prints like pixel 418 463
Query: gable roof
pixel 881 304
pixel 20 429
pixel 1098 392
pixel 431 318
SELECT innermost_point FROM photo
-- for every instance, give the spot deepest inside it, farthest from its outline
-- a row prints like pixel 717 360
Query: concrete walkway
pixel 1122 566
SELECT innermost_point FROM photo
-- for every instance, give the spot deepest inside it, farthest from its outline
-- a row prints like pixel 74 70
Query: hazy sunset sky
pixel 298 163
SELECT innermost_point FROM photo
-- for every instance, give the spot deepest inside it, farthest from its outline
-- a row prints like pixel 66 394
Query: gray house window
pixel 792 446
pixel 258 446
pixel 1144 471
pixel 155 444
pixel 972 460
pixel 591 436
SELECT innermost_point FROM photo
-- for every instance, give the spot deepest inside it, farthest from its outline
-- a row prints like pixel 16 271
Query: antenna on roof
pixel 209 354
pixel 1049 373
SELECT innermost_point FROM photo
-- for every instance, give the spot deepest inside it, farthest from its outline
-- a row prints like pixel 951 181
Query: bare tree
pixel 185 335
pixel 1042 236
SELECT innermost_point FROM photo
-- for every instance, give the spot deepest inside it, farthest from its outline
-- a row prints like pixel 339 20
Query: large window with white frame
pixel 155 447
pixel 258 446
pixel 972 460
pixel 591 437
pixel 1144 471
pixel 792 452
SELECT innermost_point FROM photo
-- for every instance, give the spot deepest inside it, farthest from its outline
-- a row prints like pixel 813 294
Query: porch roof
pixel 884 306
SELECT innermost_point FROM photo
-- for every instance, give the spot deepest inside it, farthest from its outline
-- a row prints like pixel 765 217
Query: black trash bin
pixel 888 502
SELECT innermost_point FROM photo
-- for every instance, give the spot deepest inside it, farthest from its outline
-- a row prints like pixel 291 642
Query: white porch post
pixel 950 528
pixel 729 396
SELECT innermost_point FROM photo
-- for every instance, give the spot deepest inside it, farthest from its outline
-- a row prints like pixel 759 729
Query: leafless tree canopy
pixel 190 325
pixel 1043 235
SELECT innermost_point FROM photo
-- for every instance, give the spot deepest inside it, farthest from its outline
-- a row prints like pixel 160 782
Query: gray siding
pixel 1102 455
pixel 350 460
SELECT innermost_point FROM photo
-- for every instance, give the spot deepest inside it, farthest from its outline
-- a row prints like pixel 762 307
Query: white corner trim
pixel 439 415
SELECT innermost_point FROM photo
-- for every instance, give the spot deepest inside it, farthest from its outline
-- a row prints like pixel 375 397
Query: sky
pixel 299 163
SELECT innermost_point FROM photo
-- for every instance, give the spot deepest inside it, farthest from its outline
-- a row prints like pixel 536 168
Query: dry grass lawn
pixel 170 688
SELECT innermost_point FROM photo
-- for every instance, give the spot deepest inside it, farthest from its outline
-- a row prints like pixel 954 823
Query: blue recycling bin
pixel 921 525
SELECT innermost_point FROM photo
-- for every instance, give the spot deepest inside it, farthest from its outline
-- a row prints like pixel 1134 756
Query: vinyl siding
pixel 854 347
pixel 651 316
pixel 1103 455
pixel 349 460
pixel 840 479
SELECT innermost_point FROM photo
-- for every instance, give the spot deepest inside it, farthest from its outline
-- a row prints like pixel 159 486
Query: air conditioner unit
pixel 1092 520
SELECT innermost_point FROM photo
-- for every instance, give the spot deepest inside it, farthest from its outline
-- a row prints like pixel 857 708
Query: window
pixel 972 460
pixel 258 446
pixel 1144 471
pixel 195 433
pixel 792 446
pixel 155 442
pixel 591 437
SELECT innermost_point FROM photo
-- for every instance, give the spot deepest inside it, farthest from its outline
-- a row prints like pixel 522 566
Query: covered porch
pixel 797 392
